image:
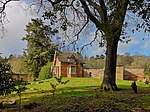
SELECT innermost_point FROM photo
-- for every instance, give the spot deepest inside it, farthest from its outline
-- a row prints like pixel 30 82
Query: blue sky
pixel 18 18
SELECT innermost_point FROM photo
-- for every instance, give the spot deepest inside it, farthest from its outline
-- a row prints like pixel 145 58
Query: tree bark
pixel 109 79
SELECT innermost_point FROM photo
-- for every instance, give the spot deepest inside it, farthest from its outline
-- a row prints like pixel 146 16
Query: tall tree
pixel 108 16
pixel 40 48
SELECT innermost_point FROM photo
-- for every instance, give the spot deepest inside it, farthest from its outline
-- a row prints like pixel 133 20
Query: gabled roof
pixel 64 56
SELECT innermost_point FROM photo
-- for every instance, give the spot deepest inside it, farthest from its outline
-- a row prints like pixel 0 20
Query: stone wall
pixel 95 73
pixel 99 73
pixel 134 74
pixel 121 73
pixel 23 77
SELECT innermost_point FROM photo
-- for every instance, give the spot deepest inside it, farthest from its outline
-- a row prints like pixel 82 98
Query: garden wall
pixel 95 73
pixel 121 73
pixel 134 74
pixel 23 77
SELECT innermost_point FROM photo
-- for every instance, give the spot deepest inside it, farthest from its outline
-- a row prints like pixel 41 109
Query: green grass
pixel 82 94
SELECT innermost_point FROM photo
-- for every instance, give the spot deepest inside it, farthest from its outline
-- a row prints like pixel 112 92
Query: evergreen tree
pixel 40 48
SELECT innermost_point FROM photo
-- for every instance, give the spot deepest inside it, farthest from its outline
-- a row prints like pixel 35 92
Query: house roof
pixel 64 56
pixel 86 66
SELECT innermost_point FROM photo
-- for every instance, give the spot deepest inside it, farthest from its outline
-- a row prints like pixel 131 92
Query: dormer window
pixel 72 60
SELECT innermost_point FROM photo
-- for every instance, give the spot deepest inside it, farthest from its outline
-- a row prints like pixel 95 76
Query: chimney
pixel 77 50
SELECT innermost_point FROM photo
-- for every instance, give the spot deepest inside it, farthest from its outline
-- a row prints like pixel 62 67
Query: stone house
pixel 68 64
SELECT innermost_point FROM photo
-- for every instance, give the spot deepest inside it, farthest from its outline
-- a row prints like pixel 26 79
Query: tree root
pixel 109 87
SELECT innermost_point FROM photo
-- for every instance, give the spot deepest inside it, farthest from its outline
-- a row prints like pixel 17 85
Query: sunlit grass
pixel 75 86
pixel 84 88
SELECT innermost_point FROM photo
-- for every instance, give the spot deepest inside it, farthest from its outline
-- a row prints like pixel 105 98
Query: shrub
pixel 6 82
pixel 45 72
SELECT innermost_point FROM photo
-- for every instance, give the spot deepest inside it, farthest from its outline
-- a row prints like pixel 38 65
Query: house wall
pixel 64 69
pixel 57 68
pixel 79 70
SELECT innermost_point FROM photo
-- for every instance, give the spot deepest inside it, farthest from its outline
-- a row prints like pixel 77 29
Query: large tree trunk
pixel 109 79
pixel 113 32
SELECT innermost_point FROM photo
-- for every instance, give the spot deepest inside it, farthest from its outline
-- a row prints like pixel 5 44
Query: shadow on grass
pixel 81 91
pixel 39 94
pixel 81 88
pixel 76 91
pixel 69 96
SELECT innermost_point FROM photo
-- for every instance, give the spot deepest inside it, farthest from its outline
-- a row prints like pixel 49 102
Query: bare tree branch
pixel 54 3
pixel 3 4
pixel 2 8
pixel 79 32
pixel 95 37
pixel 89 14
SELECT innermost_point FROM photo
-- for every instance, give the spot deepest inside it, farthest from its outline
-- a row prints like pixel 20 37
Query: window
pixel 72 70
pixel 72 60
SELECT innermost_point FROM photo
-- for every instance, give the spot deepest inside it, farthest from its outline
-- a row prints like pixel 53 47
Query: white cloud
pixel 98 51
pixel 18 19
pixel 124 47
pixel 146 45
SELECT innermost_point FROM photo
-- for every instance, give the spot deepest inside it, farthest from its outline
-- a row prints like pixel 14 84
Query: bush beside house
pixel 45 72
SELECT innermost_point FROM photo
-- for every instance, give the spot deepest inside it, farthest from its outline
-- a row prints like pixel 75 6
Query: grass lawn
pixel 81 95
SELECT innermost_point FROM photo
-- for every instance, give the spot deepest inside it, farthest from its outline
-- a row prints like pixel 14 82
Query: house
pixel 68 64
